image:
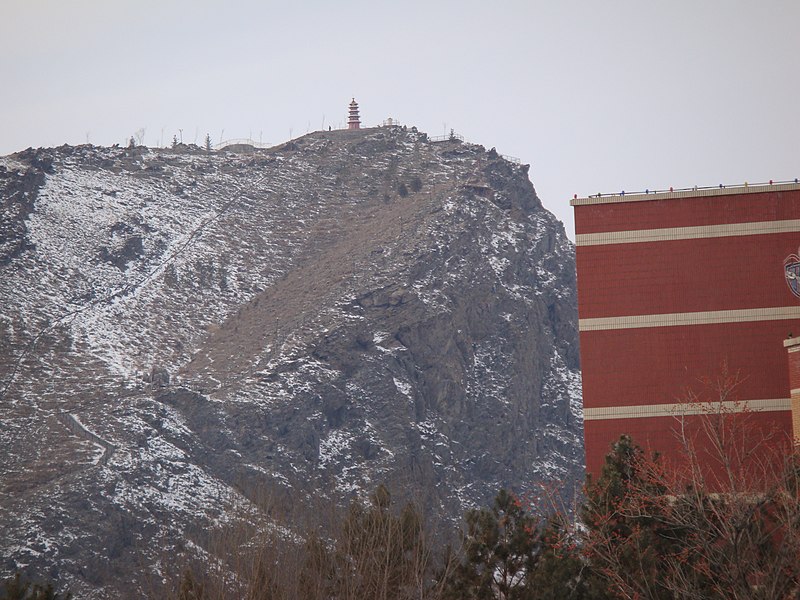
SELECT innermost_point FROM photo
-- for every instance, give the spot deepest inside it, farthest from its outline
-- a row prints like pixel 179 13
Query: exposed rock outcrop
pixel 351 308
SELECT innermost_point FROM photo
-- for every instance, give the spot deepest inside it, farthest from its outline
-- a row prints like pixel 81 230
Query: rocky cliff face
pixel 179 329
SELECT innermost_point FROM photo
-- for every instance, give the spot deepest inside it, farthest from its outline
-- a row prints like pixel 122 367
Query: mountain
pixel 184 331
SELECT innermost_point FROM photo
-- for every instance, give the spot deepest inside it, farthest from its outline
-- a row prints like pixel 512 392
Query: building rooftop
pixel 693 192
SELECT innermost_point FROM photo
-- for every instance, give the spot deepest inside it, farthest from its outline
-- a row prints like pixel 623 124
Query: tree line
pixel 724 525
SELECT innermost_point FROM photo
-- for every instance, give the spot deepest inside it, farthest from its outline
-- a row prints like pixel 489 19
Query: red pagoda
pixel 353 121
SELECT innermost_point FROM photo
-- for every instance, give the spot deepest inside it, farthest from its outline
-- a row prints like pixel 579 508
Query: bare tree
pixel 725 523
pixel 370 551
pixel 139 135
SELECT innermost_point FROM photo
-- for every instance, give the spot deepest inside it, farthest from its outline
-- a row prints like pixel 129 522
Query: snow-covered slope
pixel 180 328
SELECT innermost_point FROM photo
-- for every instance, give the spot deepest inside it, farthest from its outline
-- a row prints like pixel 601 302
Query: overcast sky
pixel 595 96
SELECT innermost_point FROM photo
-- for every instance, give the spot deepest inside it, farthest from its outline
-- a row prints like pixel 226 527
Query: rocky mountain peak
pixel 183 327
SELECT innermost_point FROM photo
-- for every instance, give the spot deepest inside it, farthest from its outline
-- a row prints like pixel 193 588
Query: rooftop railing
pixel 452 136
pixel 695 188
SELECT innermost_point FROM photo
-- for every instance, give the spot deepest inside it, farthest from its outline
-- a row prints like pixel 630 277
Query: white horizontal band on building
pixel 668 234
pixel 686 409
pixel 709 317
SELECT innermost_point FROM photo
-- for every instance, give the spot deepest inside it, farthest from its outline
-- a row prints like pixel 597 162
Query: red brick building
pixel 674 287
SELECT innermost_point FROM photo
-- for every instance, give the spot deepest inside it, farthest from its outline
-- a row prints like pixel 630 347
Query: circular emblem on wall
pixel 791 269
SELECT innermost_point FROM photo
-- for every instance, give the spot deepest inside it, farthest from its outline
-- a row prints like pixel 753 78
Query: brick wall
pixel 674 289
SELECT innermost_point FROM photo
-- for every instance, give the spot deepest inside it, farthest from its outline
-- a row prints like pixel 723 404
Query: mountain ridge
pixel 313 319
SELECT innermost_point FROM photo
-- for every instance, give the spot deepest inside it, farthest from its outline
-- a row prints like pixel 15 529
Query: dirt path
pixel 76 427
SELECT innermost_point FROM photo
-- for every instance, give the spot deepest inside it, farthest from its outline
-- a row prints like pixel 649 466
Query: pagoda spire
pixel 353 121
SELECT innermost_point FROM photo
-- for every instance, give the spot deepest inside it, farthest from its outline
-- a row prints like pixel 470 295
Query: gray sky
pixel 596 96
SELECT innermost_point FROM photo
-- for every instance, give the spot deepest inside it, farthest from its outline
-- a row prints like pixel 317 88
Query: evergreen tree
pixel 563 572
pixel 627 540
pixel 502 547
pixel 208 143
pixel 659 533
